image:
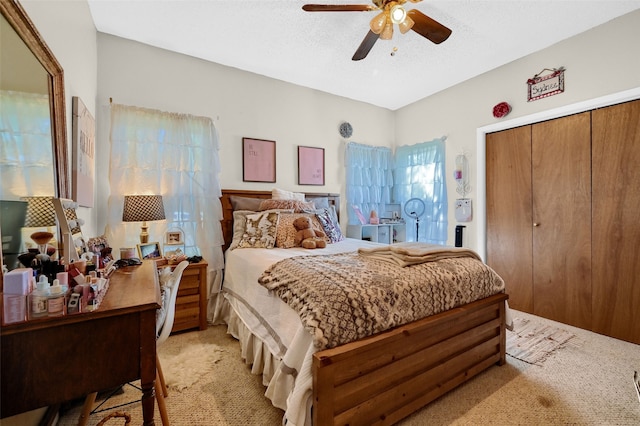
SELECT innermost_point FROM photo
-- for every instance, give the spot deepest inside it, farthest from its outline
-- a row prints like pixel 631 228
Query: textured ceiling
pixel 276 38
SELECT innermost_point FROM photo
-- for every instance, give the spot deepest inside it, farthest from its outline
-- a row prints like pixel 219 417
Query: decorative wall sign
pixel 310 165
pixel 540 86
pixel 84 150
pixel 258 160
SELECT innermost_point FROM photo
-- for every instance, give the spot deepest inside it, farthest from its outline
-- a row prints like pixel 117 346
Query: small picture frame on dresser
pixel 174 237
pixel 149 251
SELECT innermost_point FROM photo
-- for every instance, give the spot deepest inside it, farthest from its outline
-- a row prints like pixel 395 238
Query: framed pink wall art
pixel 258 160
pixel 310 165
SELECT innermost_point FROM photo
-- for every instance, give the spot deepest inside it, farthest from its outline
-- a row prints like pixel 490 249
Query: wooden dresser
pixel 52 360
pixel 191 304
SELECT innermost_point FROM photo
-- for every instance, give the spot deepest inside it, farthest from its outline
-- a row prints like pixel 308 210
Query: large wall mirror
pixel 33 155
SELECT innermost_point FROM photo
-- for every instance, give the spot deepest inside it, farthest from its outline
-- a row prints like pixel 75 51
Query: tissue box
pixel 14 308
pixel 18 281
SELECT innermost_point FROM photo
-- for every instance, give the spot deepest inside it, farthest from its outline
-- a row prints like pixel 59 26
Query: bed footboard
pixel 386 377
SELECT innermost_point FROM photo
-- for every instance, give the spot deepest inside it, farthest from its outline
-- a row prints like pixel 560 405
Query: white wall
pixel 598 62
pixel 241 104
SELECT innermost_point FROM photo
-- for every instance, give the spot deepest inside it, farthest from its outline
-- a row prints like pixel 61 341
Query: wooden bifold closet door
pixel 616 221
pixel 539 217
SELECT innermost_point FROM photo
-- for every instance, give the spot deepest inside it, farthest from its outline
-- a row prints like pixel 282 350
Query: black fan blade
pixel 366 45
pixel 338 7
pixel 428 28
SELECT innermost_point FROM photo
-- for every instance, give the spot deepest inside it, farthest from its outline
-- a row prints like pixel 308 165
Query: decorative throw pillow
pixel 332 213
pixel 286 233
pixel 239 222
pixel 281 194
pixel 260 230
pixel 295 205
pixel 331 228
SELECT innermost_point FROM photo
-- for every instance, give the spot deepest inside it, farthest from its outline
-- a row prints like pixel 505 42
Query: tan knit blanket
pixel 345 297
pixel 407 254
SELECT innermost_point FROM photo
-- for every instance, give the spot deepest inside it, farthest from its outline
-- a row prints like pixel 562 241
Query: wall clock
pixel 346 130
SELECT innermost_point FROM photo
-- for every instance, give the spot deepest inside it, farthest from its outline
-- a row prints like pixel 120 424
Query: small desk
pixel 53 360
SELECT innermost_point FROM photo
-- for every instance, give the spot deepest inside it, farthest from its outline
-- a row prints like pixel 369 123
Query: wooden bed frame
pixel 384 378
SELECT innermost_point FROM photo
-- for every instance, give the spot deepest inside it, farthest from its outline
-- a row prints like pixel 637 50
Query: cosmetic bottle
pixel 56 302
pixel 38 299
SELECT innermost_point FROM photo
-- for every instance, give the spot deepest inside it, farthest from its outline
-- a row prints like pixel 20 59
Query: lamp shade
pixel 141 208
pixel 40 212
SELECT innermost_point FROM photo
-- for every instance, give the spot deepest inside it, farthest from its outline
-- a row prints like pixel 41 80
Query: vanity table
pixel 52 360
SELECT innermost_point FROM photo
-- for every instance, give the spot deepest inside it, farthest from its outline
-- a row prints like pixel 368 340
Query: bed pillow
pixel 281 194
pixel 245 203
pixel 319 202
pixel 330 227
pixel 295 205
pixel 259 230
pixel 286 233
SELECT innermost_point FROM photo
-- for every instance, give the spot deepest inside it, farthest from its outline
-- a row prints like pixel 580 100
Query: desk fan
pixel 414 208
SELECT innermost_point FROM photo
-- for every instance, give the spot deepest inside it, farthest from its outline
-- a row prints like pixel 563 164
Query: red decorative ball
pixel 501 110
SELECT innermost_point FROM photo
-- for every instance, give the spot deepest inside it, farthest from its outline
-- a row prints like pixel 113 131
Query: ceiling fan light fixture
pixel 378 22
pixel 397 14
pixel 387 33
pixel 406 25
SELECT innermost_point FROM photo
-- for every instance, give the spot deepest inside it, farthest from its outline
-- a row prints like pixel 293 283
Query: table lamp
pixel 143 208
pixel 40 214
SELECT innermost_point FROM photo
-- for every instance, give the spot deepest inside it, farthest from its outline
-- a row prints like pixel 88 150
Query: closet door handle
pixel 536 224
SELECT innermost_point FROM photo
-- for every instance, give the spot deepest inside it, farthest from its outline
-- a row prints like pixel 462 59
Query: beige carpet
pixel 587 381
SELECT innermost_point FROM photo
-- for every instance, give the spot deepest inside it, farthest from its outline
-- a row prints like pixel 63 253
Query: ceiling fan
pixel 391 12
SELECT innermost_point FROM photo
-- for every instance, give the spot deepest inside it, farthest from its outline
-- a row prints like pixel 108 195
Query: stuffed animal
pixel 306 236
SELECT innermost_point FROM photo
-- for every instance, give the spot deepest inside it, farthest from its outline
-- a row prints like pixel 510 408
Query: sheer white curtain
pixel 176 156
pixel 369 171
pixel 420 173
pixel 26 149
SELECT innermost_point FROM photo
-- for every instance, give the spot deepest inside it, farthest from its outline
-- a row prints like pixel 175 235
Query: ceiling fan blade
pixel 366 45
pixel 338 7
pixel 428 28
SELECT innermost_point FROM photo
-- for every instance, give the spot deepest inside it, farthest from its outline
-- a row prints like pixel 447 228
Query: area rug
pixel 185 368
pixel 533 342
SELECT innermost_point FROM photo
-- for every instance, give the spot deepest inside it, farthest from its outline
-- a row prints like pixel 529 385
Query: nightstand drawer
pixel 191 302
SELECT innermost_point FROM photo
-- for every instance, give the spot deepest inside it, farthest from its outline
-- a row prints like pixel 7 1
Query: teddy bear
pixel 306 236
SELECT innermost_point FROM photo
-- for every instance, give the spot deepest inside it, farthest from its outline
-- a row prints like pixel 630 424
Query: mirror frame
pixel 26 30
pixel 22 24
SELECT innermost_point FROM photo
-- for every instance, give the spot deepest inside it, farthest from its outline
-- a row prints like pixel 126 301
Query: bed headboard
pixel 227 208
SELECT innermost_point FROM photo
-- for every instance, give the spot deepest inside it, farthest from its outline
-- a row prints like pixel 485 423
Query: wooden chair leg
pixel 165 390
pixel 162 406
pixel 86 408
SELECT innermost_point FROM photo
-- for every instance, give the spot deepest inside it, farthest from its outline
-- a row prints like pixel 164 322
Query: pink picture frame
pixel 310 165
pixel 258 160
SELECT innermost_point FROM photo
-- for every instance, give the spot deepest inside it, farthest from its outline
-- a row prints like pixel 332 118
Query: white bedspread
pixel 276 324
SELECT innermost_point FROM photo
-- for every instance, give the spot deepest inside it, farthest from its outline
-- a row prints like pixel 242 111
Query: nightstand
pixel 191 304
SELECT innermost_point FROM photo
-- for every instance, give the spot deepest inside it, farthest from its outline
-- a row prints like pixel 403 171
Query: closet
pixel 562 221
